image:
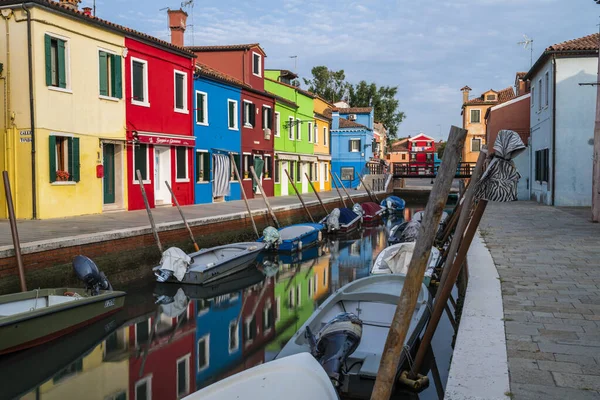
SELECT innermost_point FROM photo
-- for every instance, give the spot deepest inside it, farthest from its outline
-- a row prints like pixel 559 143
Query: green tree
pixel 382 99
pixel 440 149
pixel 330 85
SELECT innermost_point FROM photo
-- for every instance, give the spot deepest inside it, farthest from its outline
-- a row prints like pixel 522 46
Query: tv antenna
pixel 190 4
pixel 528 42
pixel 295 62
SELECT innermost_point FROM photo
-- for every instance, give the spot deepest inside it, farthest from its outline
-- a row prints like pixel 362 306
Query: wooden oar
pixel 183 217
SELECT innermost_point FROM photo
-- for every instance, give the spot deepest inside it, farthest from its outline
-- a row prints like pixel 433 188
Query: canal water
pixel 200 335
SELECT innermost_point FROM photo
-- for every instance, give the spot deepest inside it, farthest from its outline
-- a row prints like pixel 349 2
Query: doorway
pixel 283 178
pixel 305 171
pixel 322 177
pixel 113 180
pixel 108 151
pixel 162 173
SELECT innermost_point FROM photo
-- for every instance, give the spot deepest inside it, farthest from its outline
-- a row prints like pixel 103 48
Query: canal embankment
pixel 122 243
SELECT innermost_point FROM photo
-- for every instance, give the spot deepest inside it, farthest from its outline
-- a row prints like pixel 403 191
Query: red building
pixel 246 62
pixel 160 141
pixel 169 365
pixel 422 154
pixel 258 318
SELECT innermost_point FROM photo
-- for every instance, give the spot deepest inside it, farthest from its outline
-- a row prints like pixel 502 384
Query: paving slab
pixel 548 255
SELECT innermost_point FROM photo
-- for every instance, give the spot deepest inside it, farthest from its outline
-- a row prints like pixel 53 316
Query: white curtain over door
pixel 222 172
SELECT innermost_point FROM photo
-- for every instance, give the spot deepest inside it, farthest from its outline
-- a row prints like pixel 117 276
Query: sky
pixel 429 49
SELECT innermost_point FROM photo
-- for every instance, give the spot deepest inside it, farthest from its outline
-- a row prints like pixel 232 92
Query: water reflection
pixel 171 340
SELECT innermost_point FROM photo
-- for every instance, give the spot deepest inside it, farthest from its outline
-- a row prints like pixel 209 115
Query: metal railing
pixel 406 170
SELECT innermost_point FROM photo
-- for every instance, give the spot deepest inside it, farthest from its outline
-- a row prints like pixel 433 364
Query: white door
pixel 162 173
pixel 322 176
pixel 285 183
pixel 305 171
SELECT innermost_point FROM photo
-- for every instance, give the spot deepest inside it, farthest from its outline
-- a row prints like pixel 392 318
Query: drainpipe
pixel 553 127
pixel 31 114
pixel 7 89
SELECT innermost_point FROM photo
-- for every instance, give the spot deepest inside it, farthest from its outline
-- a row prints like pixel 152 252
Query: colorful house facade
pixel 246 63
pixel 351 143
pixel 217 129
pixel 323 143
pixel 294 137
pixel 422 154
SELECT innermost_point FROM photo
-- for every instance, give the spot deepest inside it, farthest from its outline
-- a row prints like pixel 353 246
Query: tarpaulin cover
pixel 346 216
pixel 499 181
pixel 371 208
pixel 393 203
pixel 175 260
pixel 177 307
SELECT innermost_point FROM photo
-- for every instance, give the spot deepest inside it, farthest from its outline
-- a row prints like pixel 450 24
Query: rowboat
pixel 396 259
pixel 274 380
pixel 372 212
pixel 408 231
pixel 341 220
pixel 352 325
pixel 206 265
pixel 393 204
pixel 294 237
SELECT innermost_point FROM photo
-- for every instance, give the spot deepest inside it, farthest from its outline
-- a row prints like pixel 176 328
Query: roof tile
pixel 504 95
pixel 355 110
pixel 586 43
pixel 345 124
pixel 226 47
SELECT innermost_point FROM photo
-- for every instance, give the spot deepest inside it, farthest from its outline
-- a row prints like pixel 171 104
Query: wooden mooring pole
pixel 299 196
pixel 264 196
pixel 317 194
pixel 344 188
pixel 372 195
pixel 394 344
pixel 150 217
pixel 183 217
pixel 337 188
pixel 237 175
pixel 14 232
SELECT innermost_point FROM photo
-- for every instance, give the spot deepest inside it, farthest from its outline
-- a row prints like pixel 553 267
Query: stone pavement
pixel 49 229
pixel 548 260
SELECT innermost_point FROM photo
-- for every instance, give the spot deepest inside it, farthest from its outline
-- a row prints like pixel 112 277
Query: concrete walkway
pixel 548 260
pixel 51 229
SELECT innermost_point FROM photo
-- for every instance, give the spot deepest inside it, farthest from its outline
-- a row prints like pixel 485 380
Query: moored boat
pixel 393 204
pixel 372 212
pixel 294 237
pixel 341 220
pixel 352 325
pixel 396 259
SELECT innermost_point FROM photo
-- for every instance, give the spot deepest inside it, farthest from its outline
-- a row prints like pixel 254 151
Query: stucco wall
pixel 475 130
pixel 513 115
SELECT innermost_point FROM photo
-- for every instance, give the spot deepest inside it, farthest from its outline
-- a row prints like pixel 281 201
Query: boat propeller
pixel 87 271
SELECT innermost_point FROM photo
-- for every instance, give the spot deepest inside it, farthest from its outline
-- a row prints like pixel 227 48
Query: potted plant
pixel 266 175
pixel 62 176
pixel 246 175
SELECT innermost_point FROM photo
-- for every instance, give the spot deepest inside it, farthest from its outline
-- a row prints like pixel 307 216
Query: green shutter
pixel 103 59
pixel 62 72
pixel 206 167
pixel 198 165
pixel 117 76
pixel 75 171
pixel 47 45
pixel 231 106
pixel 52 143
pixel 200 108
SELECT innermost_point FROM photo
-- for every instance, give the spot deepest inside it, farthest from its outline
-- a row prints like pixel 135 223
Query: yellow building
pixel 473 113
pixel 78 111
pixel 322 143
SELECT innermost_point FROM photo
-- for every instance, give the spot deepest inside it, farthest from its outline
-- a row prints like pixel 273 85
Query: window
pixel 56 62
pixel 278 165
pixel 475 116
pixel 540 94
pixel 139 82
pixel 267 114
pixel 310 132
pixel 547 77
pixel 278 307
pixel 354 145
pixel 142 332
pixel 246 166
pixel 70 370
pixel 325 136
pixel 140 162
pixel 249 114
pixel 64 159
pixel 110 75
pixel 268 167
pixel 277 122
pixel 202 108
pixel 183 376
pixel 232 107
pixel 256 64
pixel 291 128
pixel 234 336
pixel 325 277
pixel 403 156
pixel 429 156
pixel 292 169
pixel 347 173
pixel 202 166
pixel 316 173
pixel 291 299
pixel 299 294
pixel 143 389
pixel 310 172
pixel 236 162
pixel 532 96
pixel 299 171
pixel 542 165
pixel 490 97
pixel 115 343
pixel 203 352
pixel 117 396
pixel 475 145
pixel 413 156
pixel 181 92
pixel 316 134
pixel 250 330
pixel 298 129
pixel 181 164
pixel 268 316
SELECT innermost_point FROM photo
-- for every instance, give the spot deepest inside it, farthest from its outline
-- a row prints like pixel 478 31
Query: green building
pixel 294 133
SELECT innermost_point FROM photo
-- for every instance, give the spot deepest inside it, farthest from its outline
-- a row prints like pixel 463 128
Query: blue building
pixel 351 143
pixel 216 117
pixel 218 337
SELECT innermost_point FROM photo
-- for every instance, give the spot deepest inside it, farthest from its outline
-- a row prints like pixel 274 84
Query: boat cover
pixel 347 216
pixel 399 259
pixel 410 232
pixel 177 307
pixel 393 203
pixel 371 208
pixel 499 181
pixel 175 260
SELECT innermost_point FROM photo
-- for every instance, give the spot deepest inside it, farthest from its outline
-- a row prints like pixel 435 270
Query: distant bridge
pixel 404 170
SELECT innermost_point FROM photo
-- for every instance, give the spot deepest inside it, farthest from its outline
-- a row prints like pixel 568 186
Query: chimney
pixel 70 4
pixel 335 119
pixel 177 20
pixel 466 90
pixel 87 11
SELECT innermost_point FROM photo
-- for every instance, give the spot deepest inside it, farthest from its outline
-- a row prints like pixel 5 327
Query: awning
pixel 286 157
pixel 308 158
pixel 160 139
pixel 324 158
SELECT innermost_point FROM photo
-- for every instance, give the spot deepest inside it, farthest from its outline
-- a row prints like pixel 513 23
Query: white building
pixel 562 122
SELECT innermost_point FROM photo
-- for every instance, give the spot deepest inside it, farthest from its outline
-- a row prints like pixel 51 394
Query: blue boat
pixel 393 204
pixel 295 237
pixel 342 220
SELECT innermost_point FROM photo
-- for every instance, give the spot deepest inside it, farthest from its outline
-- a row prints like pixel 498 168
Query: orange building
pixel 398 152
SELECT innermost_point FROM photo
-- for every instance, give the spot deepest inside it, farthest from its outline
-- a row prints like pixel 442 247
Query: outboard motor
pixel 334 343
pixel 271 237
pixel 87 271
